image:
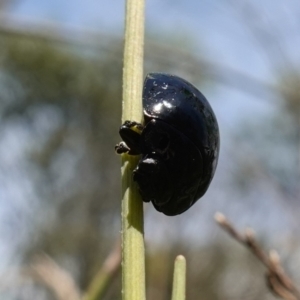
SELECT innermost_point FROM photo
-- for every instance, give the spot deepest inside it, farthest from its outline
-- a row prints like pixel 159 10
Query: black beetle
pixel 179 143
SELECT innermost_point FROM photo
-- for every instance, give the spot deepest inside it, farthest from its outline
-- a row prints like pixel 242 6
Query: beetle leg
pixel 121 148
pixel 130 133
pixel 135 126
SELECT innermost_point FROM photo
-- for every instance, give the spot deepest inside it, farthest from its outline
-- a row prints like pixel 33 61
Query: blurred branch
pixel 87 38
pixel 47 271
pixel 278 281
pixel 102 279
pixel 22 26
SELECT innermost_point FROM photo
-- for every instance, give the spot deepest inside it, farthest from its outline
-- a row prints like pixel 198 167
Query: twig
pixel 278 281
pixel 102 279
pixel 53 276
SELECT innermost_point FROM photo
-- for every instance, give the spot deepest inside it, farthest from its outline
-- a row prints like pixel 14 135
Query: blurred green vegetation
pixel 75 161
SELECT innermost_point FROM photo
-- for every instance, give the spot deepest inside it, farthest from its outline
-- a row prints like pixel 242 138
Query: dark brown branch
pixel 278 281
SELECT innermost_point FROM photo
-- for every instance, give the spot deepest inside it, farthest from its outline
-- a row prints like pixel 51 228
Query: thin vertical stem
pixel 133 251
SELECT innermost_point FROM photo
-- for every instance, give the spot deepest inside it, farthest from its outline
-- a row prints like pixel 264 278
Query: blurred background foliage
pixel 71 106
pixel 60 108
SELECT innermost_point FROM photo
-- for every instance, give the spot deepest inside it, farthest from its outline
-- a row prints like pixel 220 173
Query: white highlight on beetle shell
pixel 157 107
pixel 167 104
pixel 149 161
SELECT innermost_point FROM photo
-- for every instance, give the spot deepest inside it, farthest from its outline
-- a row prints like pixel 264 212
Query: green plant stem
pixel 133 251
pixel 179 278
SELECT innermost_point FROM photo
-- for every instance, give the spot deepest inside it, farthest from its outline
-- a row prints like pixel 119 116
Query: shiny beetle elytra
pixel 179 143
